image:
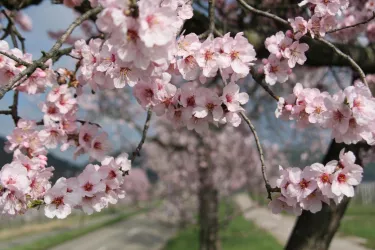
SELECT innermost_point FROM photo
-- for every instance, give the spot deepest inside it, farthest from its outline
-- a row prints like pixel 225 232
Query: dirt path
pixel 141 232
pixel 281 226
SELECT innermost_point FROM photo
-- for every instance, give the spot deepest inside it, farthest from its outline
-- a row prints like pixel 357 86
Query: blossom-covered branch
pixel 54 52
pixel 299 25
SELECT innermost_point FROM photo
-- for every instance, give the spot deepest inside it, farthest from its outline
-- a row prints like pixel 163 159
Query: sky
pixel 45 17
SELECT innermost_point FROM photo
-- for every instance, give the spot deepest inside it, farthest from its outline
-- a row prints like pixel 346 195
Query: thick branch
pixel 54 52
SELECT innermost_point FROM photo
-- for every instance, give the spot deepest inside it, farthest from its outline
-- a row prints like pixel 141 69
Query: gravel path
pixel 280 226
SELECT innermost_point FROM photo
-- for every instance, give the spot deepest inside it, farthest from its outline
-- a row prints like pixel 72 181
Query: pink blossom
pixel 206 58
pixel 300 185
pixel 296 54
pixel 277 44
pixel 90 181
pixel 14 177
pixel 59 202
pixel 87 134
pixel 232 97
pixel 208 102
pixel 299 25
pixel 100 146
pixel 155 23
pixel 276 70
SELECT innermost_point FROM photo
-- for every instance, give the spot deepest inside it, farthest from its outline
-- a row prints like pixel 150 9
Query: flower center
pixel 58 201
pixel 190 101
pixel 341 178
pixel 88 187
pixel 303 184
pixel 324 178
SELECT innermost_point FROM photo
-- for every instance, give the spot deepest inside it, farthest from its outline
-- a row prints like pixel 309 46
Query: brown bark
pixel 208 200
pixel 208 211
pixel 316 231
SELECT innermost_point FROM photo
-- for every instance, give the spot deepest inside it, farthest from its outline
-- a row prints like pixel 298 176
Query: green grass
pixel 359 220
pixel 48 242
pixel 240 234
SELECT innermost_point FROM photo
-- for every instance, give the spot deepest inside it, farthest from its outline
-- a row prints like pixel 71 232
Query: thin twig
pixel 13 32
pixel 262 13
pixel 354 25
pixel 268 90
pixel 13 110
pixel 211 23
pixel 347 57
pixel 261 155
pixel 211 15
pixel 144 135
pixel 54 52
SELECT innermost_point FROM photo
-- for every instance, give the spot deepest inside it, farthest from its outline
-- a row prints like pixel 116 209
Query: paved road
pixel 280 226
pixel 141 232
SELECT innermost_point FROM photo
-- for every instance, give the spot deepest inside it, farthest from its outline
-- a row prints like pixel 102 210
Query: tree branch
pixel 211 16
pixel 354 25
pixel 261 155
pixel 137 151
pixel 54 52
pixel 263 13
pixel 346 57
pixel 14 58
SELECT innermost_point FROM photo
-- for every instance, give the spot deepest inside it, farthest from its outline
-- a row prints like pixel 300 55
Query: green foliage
pixel 240 234
pixel 48 242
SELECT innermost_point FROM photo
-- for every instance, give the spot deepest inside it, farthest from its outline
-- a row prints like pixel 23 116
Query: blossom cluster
pixel 150 55
pixel 23 181
pixel 309 188
pixel 285 48
pixel 33 84
pixel 60 126
pixel 91 191
pixel 350 113
pixel 286 51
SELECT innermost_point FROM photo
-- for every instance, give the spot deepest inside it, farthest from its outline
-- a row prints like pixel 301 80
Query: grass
pixel 240 234
pixel 31 228
pixel 359 221
pixel 48 242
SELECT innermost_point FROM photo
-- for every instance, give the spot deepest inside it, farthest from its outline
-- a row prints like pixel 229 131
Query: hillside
pixel 62 168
